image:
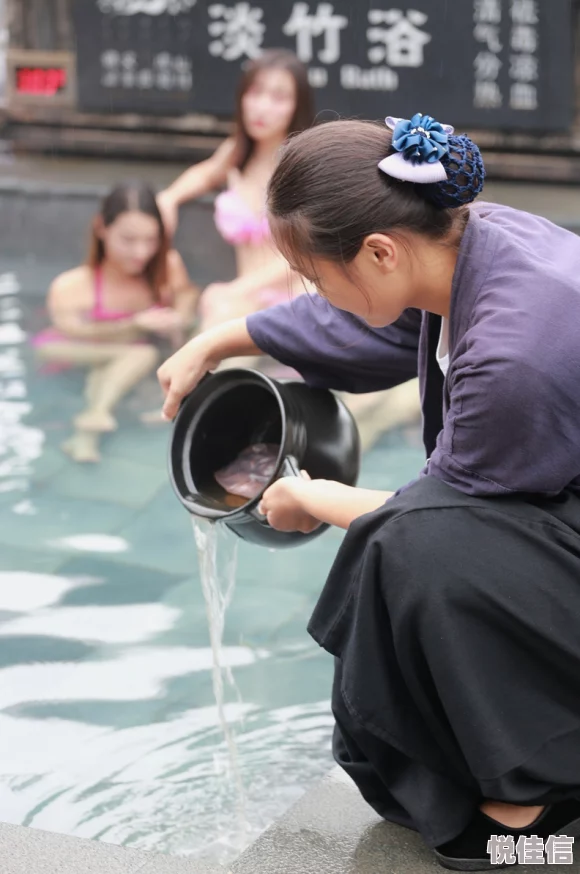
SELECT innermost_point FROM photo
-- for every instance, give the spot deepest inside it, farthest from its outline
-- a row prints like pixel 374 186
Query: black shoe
pixel 468 851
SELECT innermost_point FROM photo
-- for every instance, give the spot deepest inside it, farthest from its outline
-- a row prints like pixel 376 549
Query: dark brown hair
pixel 273 59
pixel 133 197
pixel 327 194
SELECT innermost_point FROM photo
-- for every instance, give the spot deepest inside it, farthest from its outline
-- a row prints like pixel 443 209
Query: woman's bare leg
pixel 117 378
pixel 221 306
pixel 83 446
pixel 511 815
pixel 114 370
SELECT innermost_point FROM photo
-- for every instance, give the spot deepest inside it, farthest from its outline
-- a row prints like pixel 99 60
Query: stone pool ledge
pixel 332 831
pixel 329 831
pixel 31 851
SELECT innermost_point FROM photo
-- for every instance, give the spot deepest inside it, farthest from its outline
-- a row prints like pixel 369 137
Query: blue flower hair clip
pixel 420 143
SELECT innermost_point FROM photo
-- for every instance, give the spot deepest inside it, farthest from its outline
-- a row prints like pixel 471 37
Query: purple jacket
pixel 507 417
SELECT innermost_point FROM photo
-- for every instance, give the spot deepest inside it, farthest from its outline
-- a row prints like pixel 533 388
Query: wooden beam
pixel 97 142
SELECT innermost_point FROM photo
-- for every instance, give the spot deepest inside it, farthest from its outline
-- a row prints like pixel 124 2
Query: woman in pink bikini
pixel 107 314
pixel 274 100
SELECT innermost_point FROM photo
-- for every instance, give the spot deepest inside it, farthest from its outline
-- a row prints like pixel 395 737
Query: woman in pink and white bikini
pixel 108 313
pixel 274 100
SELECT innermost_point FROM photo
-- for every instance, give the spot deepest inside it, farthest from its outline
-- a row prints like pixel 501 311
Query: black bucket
pixel 234 409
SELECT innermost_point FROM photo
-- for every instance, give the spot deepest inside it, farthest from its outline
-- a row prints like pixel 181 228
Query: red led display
pixel 46 81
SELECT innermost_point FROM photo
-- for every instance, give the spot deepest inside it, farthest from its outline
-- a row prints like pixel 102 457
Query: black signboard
pixel 504 64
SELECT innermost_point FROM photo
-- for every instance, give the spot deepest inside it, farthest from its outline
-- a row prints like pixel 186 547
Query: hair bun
pixel 465 176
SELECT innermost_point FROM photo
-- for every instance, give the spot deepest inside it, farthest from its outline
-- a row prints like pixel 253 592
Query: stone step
pixel 331 830
pixel 32 851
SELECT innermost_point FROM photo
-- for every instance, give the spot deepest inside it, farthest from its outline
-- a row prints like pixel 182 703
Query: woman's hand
pixel 169 212
pixel 159 320
pixel 182 372
pixel 282 504
pixel 302 505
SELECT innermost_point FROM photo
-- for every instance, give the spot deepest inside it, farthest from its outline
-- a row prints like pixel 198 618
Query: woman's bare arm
pixel 70 300
pixel 182 294
pixel 337 504
pixel 202 177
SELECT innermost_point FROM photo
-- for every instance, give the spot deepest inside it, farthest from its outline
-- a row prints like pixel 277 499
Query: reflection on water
pixel 70 763
pixel 108 723
pixel 162 786
pixel 91 543
pixel 103 624
pixel 20 444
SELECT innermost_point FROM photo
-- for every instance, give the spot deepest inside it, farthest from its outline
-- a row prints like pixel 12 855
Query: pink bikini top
pixel 236 222
pixel 100 313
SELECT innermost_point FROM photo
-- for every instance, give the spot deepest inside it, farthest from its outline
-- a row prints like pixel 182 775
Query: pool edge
pixel 25 850
pixel 330 830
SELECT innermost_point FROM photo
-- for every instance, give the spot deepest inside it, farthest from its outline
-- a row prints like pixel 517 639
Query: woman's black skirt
pixel 455 626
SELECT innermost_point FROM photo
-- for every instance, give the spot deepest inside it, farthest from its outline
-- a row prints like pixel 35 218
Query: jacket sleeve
pixel 511 428
pixel 334 349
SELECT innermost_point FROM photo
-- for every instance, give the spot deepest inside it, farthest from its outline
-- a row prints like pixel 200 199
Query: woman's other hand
pixel 282 504
pixel 163 321
pixel 294 504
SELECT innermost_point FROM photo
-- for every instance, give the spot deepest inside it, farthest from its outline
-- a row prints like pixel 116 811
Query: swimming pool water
pixel 108 725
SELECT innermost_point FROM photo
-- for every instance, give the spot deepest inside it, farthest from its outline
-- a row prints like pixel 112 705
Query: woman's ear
pixel 383 251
